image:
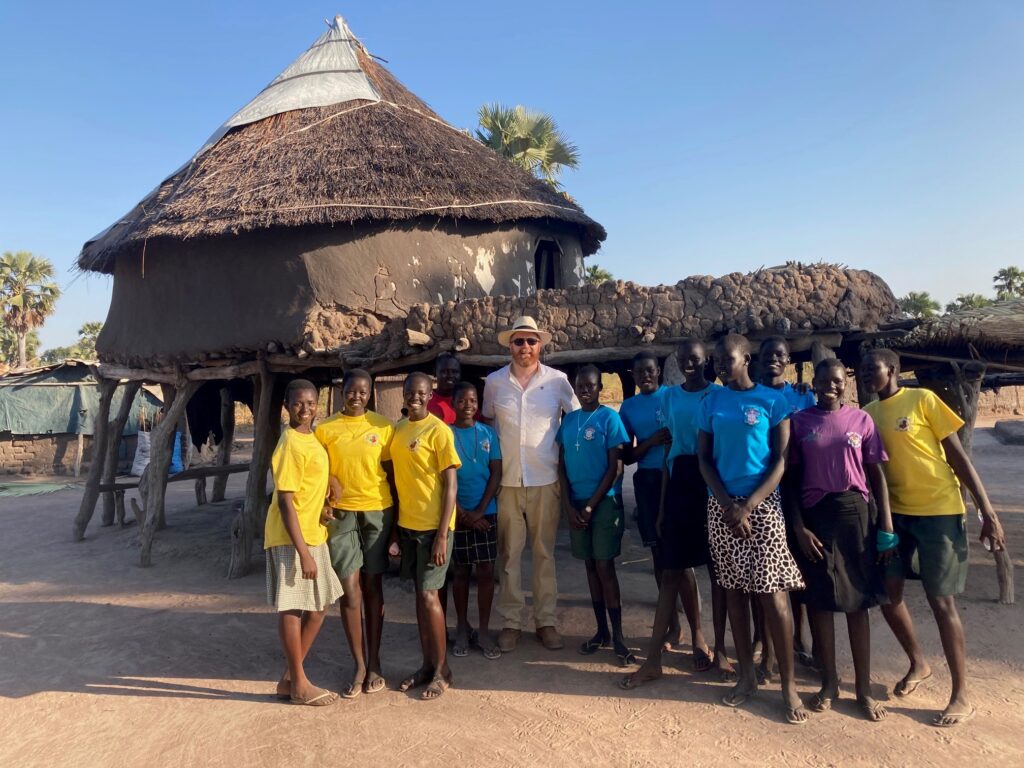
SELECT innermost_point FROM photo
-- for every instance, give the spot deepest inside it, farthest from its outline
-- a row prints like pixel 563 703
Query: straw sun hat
pixel 523 324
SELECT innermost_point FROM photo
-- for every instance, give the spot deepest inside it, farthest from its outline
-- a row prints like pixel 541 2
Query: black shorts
pixel 647 490
pixel 684 529
pixel 472 546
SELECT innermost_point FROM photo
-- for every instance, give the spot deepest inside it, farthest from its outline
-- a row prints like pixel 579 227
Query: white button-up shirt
pixel 527 421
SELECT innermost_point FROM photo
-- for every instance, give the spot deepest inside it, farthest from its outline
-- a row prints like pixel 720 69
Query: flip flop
pixel 633 681
pixel 592 646
pixel 874 711
pixel 420 677
pixel 353 689
pixel 734 699
pixel 626 659
pixel 942 720
pixel 822 703
pixel 806 660
pixel 908 685
pixel 373 683
pixel 702 660
pixel 438 685
pixel 796 715
pixel 460 649
pixel 491 651
pixel 318 697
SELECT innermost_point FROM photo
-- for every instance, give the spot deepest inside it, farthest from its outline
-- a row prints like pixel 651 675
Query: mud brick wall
pixel 53 454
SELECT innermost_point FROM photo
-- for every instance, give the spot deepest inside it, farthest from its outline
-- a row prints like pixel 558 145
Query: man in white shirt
pixel 525 401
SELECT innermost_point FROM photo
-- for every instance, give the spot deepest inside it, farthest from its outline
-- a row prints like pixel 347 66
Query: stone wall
pixel 54 454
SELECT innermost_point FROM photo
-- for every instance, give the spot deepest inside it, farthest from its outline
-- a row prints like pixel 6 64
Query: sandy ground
pixel 107 664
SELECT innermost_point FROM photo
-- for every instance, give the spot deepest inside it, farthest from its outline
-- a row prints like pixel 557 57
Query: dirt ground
pixel 103 663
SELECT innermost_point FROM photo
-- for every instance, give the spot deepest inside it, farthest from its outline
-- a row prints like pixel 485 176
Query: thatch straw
pixel 360 161
pixel 999 327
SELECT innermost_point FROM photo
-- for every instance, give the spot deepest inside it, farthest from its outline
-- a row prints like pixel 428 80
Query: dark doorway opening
pixel 547 265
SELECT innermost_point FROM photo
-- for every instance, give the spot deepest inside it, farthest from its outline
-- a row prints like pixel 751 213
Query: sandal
pixel 873 710
pixel 702 660
pixel 943 720
pixel 460 648
pixel 317 697
pixel 593 645
pixel 822 703
pixel 438 685
pixel 373 683
pixel 626 657
pixel 796 715
pixel 421 676
pixel 490 651
pixel 907 685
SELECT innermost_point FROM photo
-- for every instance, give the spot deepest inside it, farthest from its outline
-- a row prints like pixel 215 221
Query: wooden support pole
pixel 200 487
pixel 227 425
pixel 109 450
pixel 159 461
pixel 264 440
pixel 105 388
pixel 119 508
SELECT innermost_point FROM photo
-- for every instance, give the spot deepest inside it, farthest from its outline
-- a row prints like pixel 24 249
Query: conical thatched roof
pixel 360 160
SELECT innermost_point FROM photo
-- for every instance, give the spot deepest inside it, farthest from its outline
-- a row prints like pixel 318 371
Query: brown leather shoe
pixel 550 638
pixel 507 639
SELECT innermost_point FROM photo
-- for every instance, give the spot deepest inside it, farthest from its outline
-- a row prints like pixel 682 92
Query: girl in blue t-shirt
pixel 591 441
pixel 744 434
pixel 476 511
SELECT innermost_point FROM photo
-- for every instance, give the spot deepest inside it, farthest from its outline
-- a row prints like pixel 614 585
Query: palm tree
pixel 27 295
pixel 87 335
pixel 596 274
pixel 529 139
pixel 9 346
pixel 968 301
pixel 1009 282
pixel 919 305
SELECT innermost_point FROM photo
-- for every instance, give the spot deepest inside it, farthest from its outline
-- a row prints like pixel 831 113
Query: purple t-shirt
pixel 833 447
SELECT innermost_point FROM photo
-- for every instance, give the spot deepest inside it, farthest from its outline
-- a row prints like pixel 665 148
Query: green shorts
pixel 359 541
pixel 602 538
pixel 933 550
pixel 416 560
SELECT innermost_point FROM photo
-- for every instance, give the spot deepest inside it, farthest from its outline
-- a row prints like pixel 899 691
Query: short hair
pixel 444 357
pixel 417 375
pixel 645 354
pixel 354 374
pixel 828 364
pixel 735 341
pixel 692 341
pixel 887 356
pixel 589 369
pixel 462 386
pixel 777 340
pixel 298 385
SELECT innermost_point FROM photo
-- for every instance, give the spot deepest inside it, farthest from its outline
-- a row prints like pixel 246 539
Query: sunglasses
pixel 521 341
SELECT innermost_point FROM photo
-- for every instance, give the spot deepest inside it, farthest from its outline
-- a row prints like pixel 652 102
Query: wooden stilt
pixel 266 425
pixel 159 461
pixel 106 389
pixel 119 508
pixel 227 425
pixel 109 451
pixel 200 486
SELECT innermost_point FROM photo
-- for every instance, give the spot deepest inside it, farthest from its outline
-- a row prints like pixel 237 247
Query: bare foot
pixel 284 687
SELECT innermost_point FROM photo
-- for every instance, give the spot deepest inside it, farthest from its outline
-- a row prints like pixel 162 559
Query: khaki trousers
pixel 527 514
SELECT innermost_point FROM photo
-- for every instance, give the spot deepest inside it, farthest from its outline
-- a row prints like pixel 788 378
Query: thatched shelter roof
pixel 995 331
pixel 361 160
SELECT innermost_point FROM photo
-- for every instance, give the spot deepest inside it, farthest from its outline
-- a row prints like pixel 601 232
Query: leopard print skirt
pixel 760 564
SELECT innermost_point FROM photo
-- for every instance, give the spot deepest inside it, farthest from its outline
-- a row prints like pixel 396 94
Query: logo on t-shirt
pixel 903 424
pixel 414 445
pixel 854 439
pixel 485 445
pixel 811 437
pixel 372 438
pixel 589 433
pixel 751 416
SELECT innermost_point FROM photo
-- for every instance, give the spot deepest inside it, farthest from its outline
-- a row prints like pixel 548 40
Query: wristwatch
pixel 588 509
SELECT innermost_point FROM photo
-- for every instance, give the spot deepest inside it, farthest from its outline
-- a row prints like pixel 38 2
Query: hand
pixel 439 551
pixel 308 566
pixel 334 490
pixel 480 521
pixel 743 529
pixel 661 437
pixel 885 557
pixel 735 513
pixel 992 530
pixel 327 515
pixel 394 550
pixel 576 519
pixel 810 545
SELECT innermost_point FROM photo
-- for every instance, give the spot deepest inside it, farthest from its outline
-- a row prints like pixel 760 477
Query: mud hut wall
pixel 55 454
pixel 184 299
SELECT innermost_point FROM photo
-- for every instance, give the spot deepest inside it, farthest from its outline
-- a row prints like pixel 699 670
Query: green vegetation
pixel 529 139
pixel 28 295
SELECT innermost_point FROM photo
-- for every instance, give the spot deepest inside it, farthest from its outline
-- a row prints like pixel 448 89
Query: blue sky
pixel 715 136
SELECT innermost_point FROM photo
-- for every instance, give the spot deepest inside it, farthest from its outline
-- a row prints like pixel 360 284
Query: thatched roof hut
pixel 335 187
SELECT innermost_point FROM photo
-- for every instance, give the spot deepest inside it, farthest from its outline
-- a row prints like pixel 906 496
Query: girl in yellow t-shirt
pixel 300 581
pixel 926 465
pixel 358 443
